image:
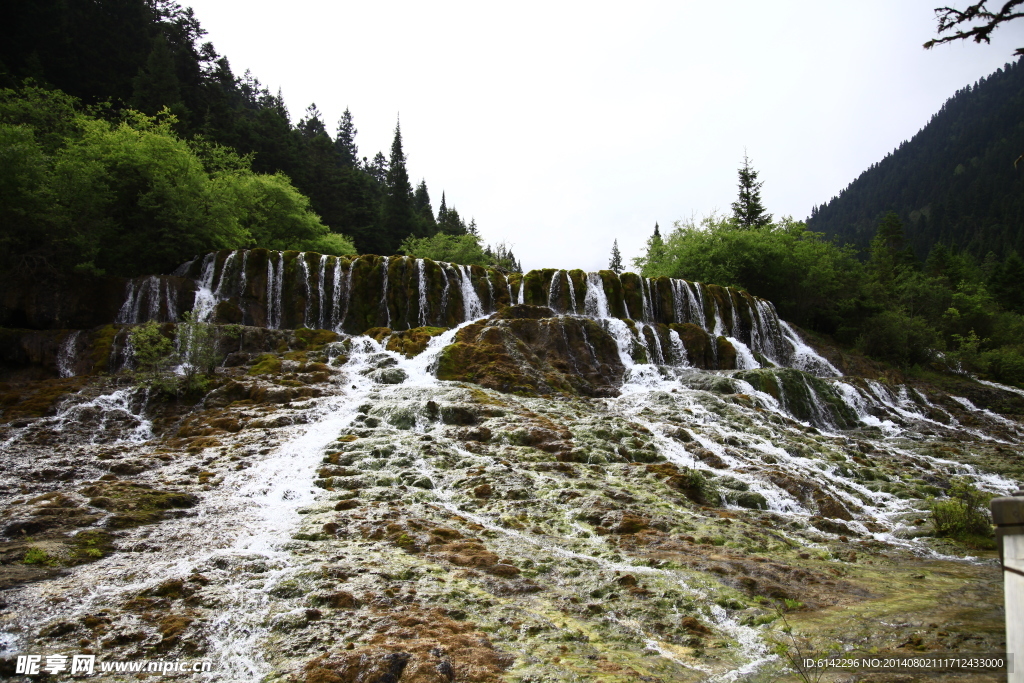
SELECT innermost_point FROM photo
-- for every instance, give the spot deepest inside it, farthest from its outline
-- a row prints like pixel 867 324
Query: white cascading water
pixel 68 354
pixel 470 300
pixel 422 282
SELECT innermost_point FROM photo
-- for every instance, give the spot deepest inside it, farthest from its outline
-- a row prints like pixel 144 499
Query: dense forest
pixel 108 93
pixel 954 183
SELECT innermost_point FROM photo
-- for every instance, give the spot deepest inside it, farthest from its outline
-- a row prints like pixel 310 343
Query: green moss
pixel 314 340
pixel 412 342
pixel 89 546
pixel 537 283
pixel 134 504
pixel 613 291
pixel 697 342
pixel 40 557
pixel 726 353
pixel 266 364
pixel 632 293
pixel 102 343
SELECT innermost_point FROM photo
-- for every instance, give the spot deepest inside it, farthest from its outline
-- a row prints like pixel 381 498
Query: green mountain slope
pixel 953 183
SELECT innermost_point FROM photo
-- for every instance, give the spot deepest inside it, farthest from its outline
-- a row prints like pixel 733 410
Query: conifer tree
pixel 747 210
pixel 615 264
pixel 345 142
pixel 891 254
pixel 378 168
pixel 398 214
pixel 311 125
pixel 156 86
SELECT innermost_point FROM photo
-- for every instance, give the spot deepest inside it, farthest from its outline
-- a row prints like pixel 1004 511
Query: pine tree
pixel 615 264
pixel 378 168
pixel 156 86
pixel 398 214
pixel 345 142
pixel 311 124
pixel 426 225
pixel 747 210
pixel 442 212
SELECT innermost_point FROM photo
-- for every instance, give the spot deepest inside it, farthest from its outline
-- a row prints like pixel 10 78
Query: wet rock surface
pixel 330 511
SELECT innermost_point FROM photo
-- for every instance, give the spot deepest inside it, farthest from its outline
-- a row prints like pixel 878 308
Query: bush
pixel 963 515
pixel 1004 365
pixel 154 357
pixel 898 338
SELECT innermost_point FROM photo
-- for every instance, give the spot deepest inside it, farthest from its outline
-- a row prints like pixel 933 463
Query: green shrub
pixel 962 515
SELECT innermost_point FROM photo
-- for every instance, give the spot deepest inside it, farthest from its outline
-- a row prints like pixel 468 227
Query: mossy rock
pixel 266 364
pixel 534 356
pixel 313 340
pixel 412 342
pixel 699 350
pixel 726 354
pixel 804 396
pixel 102 342
pixel 134 504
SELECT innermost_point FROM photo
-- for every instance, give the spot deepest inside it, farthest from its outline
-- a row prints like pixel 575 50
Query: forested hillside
pixel 954 183
pixel 118 59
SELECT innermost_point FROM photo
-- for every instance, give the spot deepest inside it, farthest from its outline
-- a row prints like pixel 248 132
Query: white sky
pixel 561 126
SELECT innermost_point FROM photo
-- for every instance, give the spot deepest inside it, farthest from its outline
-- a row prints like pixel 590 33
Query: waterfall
pixel 744 358
pixel 659 356
pixel 595 303
pixel 553 291
pixel 522 289
pixel 572 293
pixel 206 302
pixel 490 291
pixel 422 285
pixel 126 313
pixel 678 349
pixel 67 355
pixel 322 323
pixel 275 291
pixel 645 289
pixel 309 290
pixel 445 267
pixel 245 277
pixel 804 357
pixel 470 301
pixel 511 299
pixel 218 293
pixel 348 292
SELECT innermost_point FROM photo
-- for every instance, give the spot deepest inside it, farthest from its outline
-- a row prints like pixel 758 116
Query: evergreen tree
pixel 398 212
pixel 615 264
pixel 1005 283
pixel 345 142
pixel 747 210
pixel 421 202
pixel 156 86
pixel 891 254
pixel 311 125
pixel 378 168
pixel 448 220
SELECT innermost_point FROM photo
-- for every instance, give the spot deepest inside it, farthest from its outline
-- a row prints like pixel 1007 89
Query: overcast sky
pixel 560 126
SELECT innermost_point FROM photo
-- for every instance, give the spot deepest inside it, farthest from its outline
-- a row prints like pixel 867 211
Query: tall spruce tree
pixel 747 210
pixel 399 216
pixel 615 263
pixel 345 141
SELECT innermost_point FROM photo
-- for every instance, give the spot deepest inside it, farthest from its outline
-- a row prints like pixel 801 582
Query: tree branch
pixel 950 18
